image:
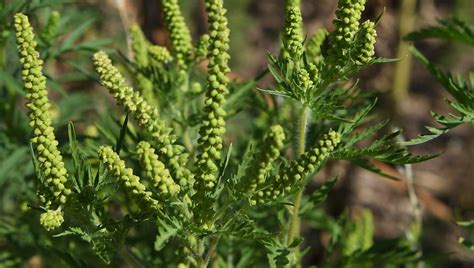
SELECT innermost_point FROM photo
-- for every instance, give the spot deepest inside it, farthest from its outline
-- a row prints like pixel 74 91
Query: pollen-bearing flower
pixel 290 176
pixel 132 183
pixel 213 125
pixel 156 170
pixel 146 116
pixel 262 164
pixel 364 50
pixel 180 36
pixel 293 35
pixel 51 219
pixel 53 188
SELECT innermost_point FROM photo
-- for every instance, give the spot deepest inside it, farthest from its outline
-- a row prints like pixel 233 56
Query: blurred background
pixel 444 185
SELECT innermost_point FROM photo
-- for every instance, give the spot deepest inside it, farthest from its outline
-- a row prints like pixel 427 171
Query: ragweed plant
pixel 53 190
pixel 173 174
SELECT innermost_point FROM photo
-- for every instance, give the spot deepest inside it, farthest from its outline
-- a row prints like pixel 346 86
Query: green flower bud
pixel 51 28
pixel 139 46
pixel 131 182
pixel 210 142
pixel 146 116
pixel 293 35
pixel 159 54
pixel 51 219
pixel 180 36
pixel 297 170
pixel 50 163
pixel 256 173
pixel 196 88
pixel 202 47
pixel 364 50
pixel 313 46
pixel 156 170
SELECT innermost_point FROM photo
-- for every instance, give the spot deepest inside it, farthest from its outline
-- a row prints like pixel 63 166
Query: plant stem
pixel 294 226
pixel 401 78
pixel 212 248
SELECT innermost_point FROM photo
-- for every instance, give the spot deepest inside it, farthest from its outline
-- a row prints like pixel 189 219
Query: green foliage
pixel 450 29
pixel 461 89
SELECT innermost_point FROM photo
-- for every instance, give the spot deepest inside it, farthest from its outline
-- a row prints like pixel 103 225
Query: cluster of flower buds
pixel 262 164
pixel 51 219
pixel 146 115
pixel 346 25
pixel 159 55
pixel 293 35
pixel 290 176
pixel 304 81
pixel 364 50
pixel 347 21
pixel 53 189
pixel 132 183
pixel 156 170
pixel 213 124
pixel 180 36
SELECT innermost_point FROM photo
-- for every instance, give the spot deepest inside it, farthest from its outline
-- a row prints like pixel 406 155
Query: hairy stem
pixel 294 226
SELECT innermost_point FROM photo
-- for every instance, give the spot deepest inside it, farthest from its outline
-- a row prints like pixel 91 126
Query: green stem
pixel 294 226
pixel 401 77
pixel 200 260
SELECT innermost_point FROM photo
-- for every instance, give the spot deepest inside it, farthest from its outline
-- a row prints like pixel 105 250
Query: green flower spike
pixel 51 219
pixel 132 183
pixel 313 46
pixel 51 27
pixel 300 168
pixel 256 173
pixel 293 35
pixel 50 161
pixel 364 50
pixel 159 54
pixel 139 46
pixel 213 126
pixel 147 117
pixel 180 36
pixel 346 25
pixel 156 170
